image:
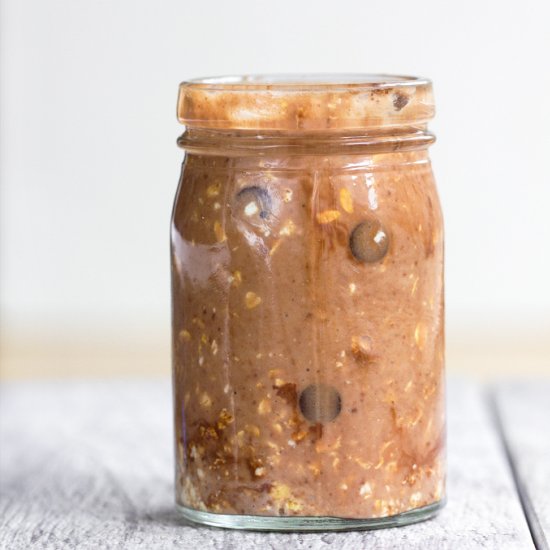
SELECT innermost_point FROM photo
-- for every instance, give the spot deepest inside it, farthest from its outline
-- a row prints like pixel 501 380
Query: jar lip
pixel 305 102
pixel 304 82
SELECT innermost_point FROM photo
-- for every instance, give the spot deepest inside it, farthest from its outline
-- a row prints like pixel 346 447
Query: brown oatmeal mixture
pixel 308 341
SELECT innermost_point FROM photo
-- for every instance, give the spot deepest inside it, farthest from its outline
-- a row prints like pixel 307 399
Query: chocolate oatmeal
pixel 307 289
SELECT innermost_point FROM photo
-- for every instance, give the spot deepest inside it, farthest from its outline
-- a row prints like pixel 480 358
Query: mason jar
pixel 307 304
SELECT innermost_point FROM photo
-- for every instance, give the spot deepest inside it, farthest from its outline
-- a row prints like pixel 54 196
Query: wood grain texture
pixel 88 465
pixel 524 412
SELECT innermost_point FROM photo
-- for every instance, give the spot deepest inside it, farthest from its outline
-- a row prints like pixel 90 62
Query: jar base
pixel 308 523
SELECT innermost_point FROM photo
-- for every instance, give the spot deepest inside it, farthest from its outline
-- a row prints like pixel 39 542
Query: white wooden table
pixel 88 464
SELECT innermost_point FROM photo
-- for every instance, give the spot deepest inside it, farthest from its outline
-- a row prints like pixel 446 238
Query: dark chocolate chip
pixel 399 101
pixel 369 241
pixel 252 203
pixel 320 403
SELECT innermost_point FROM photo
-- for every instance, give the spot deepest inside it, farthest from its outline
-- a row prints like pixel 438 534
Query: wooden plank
pixel 523 409
pixel 89 465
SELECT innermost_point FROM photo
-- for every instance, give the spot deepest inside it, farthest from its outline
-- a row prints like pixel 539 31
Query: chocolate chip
pixel 320 403
pixel 253 203
pixel 369 241
pixel 399 101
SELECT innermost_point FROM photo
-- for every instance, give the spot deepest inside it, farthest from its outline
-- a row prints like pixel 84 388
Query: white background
pixel 89 163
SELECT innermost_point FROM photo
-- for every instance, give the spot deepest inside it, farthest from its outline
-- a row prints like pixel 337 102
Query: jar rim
pixel 309 82
pixel 305 101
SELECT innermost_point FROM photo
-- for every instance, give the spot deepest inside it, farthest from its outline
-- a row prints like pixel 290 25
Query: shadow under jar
pixel 307 301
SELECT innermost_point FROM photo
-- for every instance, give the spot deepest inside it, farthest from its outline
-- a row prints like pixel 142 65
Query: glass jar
pixel 307 301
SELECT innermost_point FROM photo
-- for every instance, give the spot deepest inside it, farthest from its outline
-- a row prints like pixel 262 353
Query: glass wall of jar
pixel 307 300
